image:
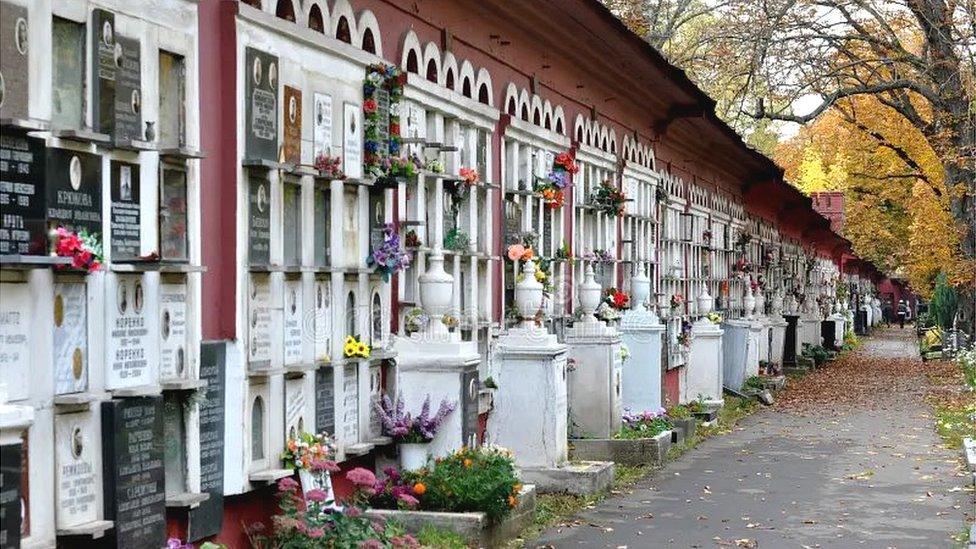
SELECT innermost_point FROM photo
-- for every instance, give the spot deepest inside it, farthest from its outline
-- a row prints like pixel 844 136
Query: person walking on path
pixel 902 313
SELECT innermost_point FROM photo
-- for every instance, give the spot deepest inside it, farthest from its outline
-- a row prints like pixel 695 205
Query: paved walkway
pixel 847 458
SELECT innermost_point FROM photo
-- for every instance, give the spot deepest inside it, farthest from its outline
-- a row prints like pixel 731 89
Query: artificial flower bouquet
pixel 407 429
pixel 714 318
pixel 646 424
pixel 469 176
pixel 552 187
pixel 616 299
pixel 84 249
pixel 609 199
pixel 354 348
pixel 315 452
pixel 389 257
pixel 329 166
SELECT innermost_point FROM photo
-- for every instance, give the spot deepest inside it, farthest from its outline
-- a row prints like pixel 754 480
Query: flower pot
pixel 436 287
pixel 413 456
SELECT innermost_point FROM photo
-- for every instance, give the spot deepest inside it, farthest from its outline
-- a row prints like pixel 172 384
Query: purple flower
pixel 287 484
pixel 408 500
pixel 317 495
pixel 361 477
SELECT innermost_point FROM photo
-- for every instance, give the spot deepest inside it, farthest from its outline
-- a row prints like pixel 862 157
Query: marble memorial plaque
pixel 126 227
pixel 128 343
pixel 106 58
pixel 206 520
pixel 322 225
pixel 70 337
pixel 377 217
pixel 23 226
pixel 11 479
pixel 416 125
pixel 261 105
pixel 350 225
pixel 259 213
pixel 292 116
pixel 133 454
pixel 172 93
pixel 294 319
pixel 513 223
pixel 295 403
pixel 77 482
pixel 68 77
pixel 16 312
pixel 291 233
pixel 172 214
pixel 350 403
pixel 383 127
pixel 375 395
pixel 259 322
pixel 74 190
pixel 323 320
pixel 128 90
pixel 173 358
pixel 469 408
pixel 325 400
pixel 352 140
pixel 321 125
pixel 14 86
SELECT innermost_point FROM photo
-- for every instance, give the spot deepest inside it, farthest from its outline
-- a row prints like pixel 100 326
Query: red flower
pixel 620 300
pixel 394 128
pixel 369 106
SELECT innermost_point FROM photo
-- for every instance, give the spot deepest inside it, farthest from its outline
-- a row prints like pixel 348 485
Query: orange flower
pixel 512 501
pixel 529 254
pixel 467 462
pixel 517 488
pixel 515 251
pixel 419 488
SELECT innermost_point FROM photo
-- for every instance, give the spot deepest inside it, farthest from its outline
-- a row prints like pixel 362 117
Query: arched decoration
pixel 559 120
pixel 604 139
pixel 536 104
pixel 351 328
pixel 344 23
pixel 369 30
pixel 592 133
pixel 432 63
pixel 579 129
pixel 467 79
pixel 547 115
pixel 524 109
pixel 450 69
pixel 613 141
pixel 410 53
pixel 627 151
pixel 317 18
pixel 285 9
pixel 483 83
pixel 253 3
pixel 257 429
pixel 511 99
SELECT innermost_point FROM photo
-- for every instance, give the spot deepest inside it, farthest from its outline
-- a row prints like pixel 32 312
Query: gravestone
pixel 324 400
pixel 16 312
pixel 106 55
pixel 352 140
pixel 68 77
pixel 14 86
pixel 207 519
pixel 350 403
pixel 74 190
pixel 295 423
pixel 377 217
pixel 172 96
pixel 134 478
pixel 259 217
pixel 294 318
pixel 261 105
pixel 383 122
pixel 173 213
pixel 23 227
pixel 77 480
pixel 129 352
pixel 128 90
pixel 173 358
pixel 259 322
pixel 293 125
pixel 322 225
pixel 126 227
pixel 11 478
pixel 350 225
pixel 323 320
pixel 321 125
pixel 70 337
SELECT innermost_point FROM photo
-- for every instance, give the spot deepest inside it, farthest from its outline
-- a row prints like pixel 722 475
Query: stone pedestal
pixel 763 348
pixel 703 376
pixel 594 380
pixel 777 340
pixel 735 352
pixel 808 330
pixel 445 368
pixel 838 321
pixel 757 333
pixel 642 333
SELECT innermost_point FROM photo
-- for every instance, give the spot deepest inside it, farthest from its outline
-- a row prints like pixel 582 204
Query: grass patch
pixel 436 538
pixel 953 421
pixel 628 475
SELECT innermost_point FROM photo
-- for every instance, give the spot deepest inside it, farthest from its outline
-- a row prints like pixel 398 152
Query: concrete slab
pixel 639 451
pixel 579 478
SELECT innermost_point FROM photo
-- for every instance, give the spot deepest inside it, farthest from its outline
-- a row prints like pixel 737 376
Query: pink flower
pixel 516 251
pixel 353 512
pixel 316 533
pixel 363 478
pixel 316 495
pixel 287 484
pixel 404 541
pixel 409 500
pixel 325 465
pixel 371 544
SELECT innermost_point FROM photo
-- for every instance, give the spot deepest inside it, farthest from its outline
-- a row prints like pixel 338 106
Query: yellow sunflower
pixel 349 348
pixel 363 350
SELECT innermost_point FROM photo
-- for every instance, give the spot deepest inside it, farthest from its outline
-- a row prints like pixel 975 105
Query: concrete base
pixel 580 478
pixel 475 528
pixel 685 428
pixel 638 451
pixel 703 375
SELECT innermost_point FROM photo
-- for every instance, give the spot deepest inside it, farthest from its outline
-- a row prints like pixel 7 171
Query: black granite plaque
pixel 377 217
pixel 128 91
pixel 469 407
pixel 13 61
pixel 259 219
pixel 324 400
pixel 10 497
pixel 126 228
pixel 206 520
pixel 105 60
pixel 23 227
pixel 74 189
pixel 261 108
pixel 133 476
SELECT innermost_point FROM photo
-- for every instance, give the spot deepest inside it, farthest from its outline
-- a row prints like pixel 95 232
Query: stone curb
pixel 638 451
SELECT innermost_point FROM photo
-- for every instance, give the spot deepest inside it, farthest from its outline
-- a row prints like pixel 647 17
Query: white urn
pixel 749 302
pixel 777 303
pixel 760 302
pixel 640 289
pixel 590 293
pixel 705 300
pixel 528 295
pixel 436 289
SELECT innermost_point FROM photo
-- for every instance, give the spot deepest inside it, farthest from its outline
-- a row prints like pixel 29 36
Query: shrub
pixel 967 361
pixel 678 411
pixel 944 302
pixel 643 425
pixel 754 382
pixel 816 352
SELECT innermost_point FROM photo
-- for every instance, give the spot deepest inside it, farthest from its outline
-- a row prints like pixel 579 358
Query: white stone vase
pixel 436 289
pixel 528 295
pixel 749 302
pixel 760 303
pixel 413 455
pixel 640 289
pixel 590 294
pixel 705 300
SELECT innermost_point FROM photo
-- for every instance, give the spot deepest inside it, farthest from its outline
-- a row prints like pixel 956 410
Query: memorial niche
pixel 295 402
pixel 77 483
pixel 105 63
pixel 133 456
pixel 16 311
pixel 70 337
pixel 172 93
pixel 259 216
pixel 293 321
pixel 68 76
pixel 74 190
pixel 126 227
pixel 14 85
pixel 323 321
pixel 12 476
pixel 292 222
pixel 259 322
pixel 206 519
pixel 128 348
pixel 128 93
pixel 173 352
pixel 292 117
pixel 173 213
pixel 322 225
pixel 321 125
pixel 261 105
pixel 174 450
pixel 325 400
pixel 350 402
pixel 23 229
